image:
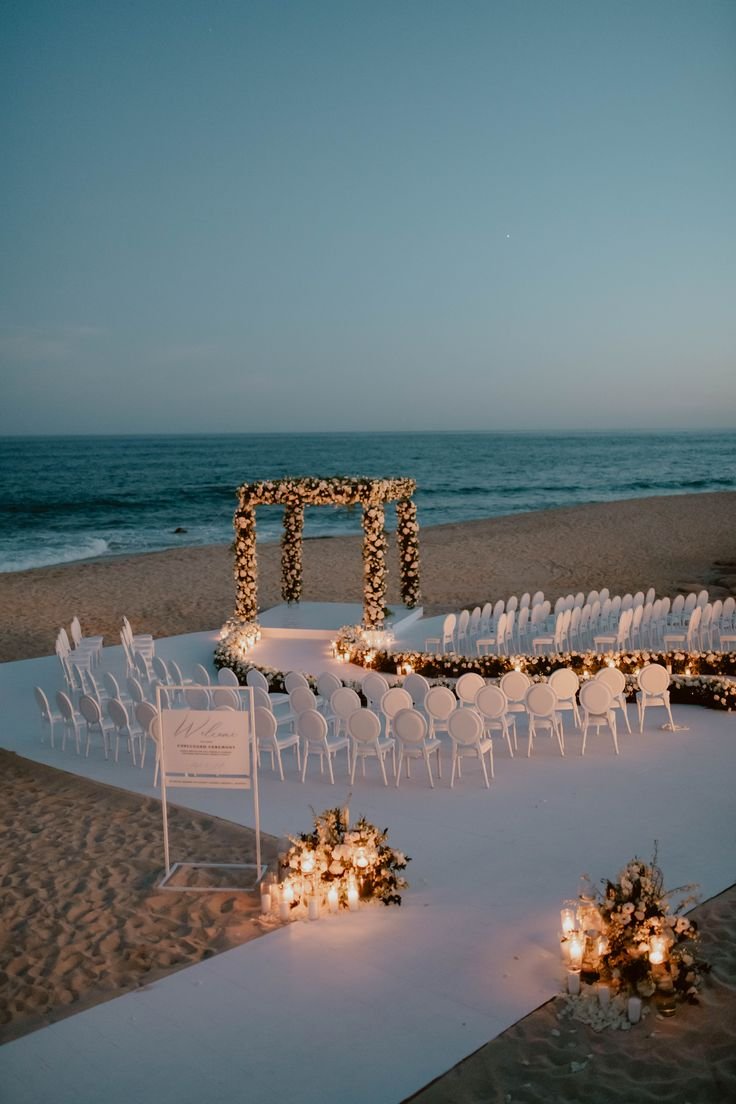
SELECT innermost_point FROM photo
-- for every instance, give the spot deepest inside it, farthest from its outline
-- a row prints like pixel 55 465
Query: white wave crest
pixel 54 554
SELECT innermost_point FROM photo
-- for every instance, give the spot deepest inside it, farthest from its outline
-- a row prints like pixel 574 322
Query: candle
pixel 576 949
pixel 265 903
pixel 332 899
pixel 313 907
pixel 307 863
pixel 287 897
pixel 633 1010
pixel 567 919
pixel 573 983
pixel 284 910
pixel 352 896
pixel 657 950
pixel 361 859
pixel 604 995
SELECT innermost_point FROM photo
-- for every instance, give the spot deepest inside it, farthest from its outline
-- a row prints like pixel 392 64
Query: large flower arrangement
pixel 294 495
pixel 334 855
pixel 647 939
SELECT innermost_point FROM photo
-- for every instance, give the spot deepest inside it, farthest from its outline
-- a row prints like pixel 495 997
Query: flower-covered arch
pixel 294 494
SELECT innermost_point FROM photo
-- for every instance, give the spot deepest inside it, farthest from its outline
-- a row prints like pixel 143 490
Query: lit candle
pixel 633 1010
pixel 352 896
pixel 307 863
pixel 576 949
pixel 567 919
pixel 657 950
pixel 287 897
pixel 361 859
pixel 573 983
pixel 265 903
pixel 333 900
pixel 604 995
pixel 284 910
pixel 313 907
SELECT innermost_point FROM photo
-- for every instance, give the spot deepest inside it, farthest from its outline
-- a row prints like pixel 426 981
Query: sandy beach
pixel 82 920
pixel 673 543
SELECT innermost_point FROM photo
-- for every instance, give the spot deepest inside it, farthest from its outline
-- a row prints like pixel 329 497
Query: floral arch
pixel 294 495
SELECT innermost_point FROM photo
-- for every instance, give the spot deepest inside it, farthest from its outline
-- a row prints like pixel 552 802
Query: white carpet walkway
pixel 369 1007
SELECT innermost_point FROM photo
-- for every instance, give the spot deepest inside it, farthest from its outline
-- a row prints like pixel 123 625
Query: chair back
pixel 374 686
pixel 595 697
pixel 364 726
pixel 160 670
pixel 256 678
pixel 295 679
pixel 465 727
pixel 344 702
pixel 417 686
pixel 223 696
pixel 327 683
pixel 410 726
pixel 467 687
pixel 394 699
pixel 301 698
pixel 491 701
pixel 261 700
pixel 90 710
pixel 653 679
pixel 135 690
pixel 565 683
pixel 145 714
pixel 197 697
pixel 201 674
pixel 117 713
pixel 43 703
pixel 614 679
pixel 265 724
pixel 312 726
pixel 541 700
pixel 65 706
pixel 226 677
pixel 515 685
pixel 439 703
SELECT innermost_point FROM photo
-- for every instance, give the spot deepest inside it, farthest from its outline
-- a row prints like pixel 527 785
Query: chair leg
pixel 482 758
pixel 490 756
pixel 278 760
pixel 454 765
pixel 398 772
pixel 329 768
pixel 352 772
pixel 439 763
pixel 530 738
pixel 306 760
pixel 585 734
pixel 612 726
pixel 669 713
pixel 429 769
pixel 383 770
pixel 625 712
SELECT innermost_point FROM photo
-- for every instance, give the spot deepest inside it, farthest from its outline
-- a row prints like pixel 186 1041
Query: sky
pixel 242 216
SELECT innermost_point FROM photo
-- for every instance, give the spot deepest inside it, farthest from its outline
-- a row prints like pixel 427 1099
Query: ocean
pixel 72 498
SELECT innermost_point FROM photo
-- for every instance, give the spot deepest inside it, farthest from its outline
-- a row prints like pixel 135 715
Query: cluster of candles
pixel 583 944
pixel 308 888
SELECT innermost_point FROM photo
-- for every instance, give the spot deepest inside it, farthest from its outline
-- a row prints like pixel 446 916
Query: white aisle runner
pixel 369 1007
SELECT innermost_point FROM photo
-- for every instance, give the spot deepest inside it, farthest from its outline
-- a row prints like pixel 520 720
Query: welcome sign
pixel 201 747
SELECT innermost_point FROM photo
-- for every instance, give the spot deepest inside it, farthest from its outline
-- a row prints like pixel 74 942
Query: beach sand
pixel 673 543
pixel 82 920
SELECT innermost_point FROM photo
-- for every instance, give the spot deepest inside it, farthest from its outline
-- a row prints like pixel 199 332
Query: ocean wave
pixel 55 554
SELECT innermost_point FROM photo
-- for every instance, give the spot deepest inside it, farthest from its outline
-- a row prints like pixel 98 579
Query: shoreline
pixel 672 542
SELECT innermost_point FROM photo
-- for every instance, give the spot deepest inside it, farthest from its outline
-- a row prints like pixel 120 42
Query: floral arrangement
pixel 335 857
pixel 636 936
pixel 294 494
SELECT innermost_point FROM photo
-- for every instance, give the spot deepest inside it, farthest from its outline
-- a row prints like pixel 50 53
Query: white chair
pixel 439 703
pixel 553 641
pixel 418 687
pixel 301 699
pixel 364 730
pixel 197 698
pixel 268 739
pixel 467 688
pixel 159 670
pixel 615 680
pixel 49 717
pixel 137 642
pixel 445 642
pixel 374 686
pixel 463 638
pixel 522 628
pixel 515 685
pixel 492 707
pixel 226 677
pixel 616 642
pixel 295 679
pixel 118 714
pixel 94 721
pixel 566 684
pixel 68 719
pixel 225 697
pixel 411 732
pixel 688 640
pixel 469 740
pixel 486 644
pixel 146 714
pixel 343 703
pixel 395 698
pixel 596 701
pixel 257 680
pixel 313 731
pixel 327 684
pixel 653 681
pixel 92 643
pixel 541 705
pixel 202 675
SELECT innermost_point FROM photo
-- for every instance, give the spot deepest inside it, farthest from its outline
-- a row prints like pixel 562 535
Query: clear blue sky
pixel 383 215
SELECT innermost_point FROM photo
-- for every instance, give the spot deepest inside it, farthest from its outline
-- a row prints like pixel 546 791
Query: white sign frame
pixel 208 749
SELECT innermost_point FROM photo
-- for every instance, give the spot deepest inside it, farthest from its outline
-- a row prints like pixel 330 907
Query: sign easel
pixel 207 749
